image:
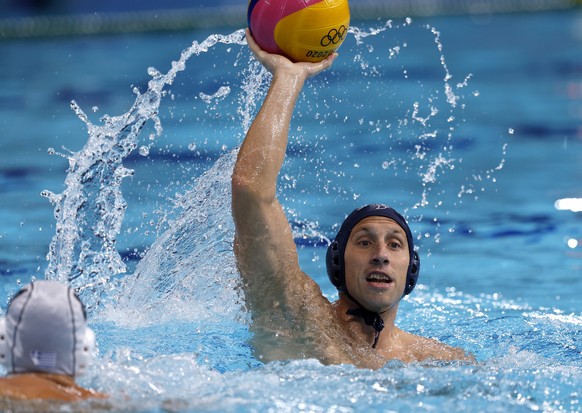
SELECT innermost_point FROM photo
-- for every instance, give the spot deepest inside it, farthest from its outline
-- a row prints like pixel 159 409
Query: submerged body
pixel 307 325
pixel 291 317
pixel 344 340
pixel 58 387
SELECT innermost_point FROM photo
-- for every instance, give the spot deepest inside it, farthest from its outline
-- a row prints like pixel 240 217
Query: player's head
pixel 335 253
pixel 45 330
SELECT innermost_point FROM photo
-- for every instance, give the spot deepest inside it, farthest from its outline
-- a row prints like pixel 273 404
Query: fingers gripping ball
pixel 302 30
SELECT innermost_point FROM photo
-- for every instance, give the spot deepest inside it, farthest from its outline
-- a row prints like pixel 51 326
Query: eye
pixel 395 245
pixel 364 243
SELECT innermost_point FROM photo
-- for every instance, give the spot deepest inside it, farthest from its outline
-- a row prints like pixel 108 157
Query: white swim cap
pixel 45 330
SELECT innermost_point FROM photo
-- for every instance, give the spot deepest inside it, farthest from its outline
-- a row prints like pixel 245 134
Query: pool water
pixel 470 125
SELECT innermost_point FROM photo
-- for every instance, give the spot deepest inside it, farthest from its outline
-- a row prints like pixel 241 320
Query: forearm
pixel 263 151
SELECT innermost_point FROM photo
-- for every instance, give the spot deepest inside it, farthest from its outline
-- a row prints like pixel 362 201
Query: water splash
pixel 90 211
pixel 190 272
pixel 177 279
pixel 361 34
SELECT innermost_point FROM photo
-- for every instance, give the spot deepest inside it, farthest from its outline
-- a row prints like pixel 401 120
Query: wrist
pixel 290 80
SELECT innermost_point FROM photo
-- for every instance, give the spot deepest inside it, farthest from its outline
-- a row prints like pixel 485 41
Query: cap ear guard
pixel 5 359
pixel 413 272
pixel 332 260
pixel 5 350
pixel 84 354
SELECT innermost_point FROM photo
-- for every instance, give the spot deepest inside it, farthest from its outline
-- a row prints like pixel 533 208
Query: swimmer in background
pixel 372 260
pixel 44 344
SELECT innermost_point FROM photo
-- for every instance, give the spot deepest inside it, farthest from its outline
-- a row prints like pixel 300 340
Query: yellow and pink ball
pixel 302 30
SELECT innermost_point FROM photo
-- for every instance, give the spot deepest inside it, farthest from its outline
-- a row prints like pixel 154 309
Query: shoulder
pixel 19 386
pixel 298 322
pixel 429 349
pixel 30 386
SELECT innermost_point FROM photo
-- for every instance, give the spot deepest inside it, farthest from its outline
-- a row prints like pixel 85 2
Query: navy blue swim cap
pixel 335 252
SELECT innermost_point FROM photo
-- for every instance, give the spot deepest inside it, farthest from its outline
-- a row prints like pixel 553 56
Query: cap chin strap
pixel 371 318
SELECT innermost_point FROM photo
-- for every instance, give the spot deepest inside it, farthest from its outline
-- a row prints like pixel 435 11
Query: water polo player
pixel 372 260
pixel 44 344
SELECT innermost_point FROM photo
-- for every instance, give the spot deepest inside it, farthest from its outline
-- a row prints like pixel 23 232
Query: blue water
pixel 470 125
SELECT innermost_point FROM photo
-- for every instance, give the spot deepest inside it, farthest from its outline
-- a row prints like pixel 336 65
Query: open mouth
pixel 379 278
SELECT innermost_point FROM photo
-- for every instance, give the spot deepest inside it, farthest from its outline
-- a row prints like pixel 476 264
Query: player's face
pixel 376 262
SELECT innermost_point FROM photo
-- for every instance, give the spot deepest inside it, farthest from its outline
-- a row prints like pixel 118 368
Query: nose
pixel 380 256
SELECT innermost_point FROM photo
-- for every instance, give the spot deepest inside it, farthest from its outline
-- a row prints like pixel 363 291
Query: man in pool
pixel 44 344
pixel 372 261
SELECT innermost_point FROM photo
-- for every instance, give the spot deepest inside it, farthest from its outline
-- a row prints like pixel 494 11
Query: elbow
pixel 242 188
pixel 246 190
pixel 239 183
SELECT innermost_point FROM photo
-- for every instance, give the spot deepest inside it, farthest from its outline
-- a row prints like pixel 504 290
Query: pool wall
pixel 68 18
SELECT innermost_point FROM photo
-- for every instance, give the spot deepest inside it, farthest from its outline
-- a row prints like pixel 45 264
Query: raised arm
pixel 264 246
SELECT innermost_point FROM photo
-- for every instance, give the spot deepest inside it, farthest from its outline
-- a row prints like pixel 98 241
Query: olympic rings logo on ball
pixel 334 36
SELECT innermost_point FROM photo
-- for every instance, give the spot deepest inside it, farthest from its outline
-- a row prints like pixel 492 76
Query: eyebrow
pixel 398 231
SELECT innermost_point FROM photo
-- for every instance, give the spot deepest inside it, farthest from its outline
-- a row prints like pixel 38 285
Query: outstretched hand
pixel 275 62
